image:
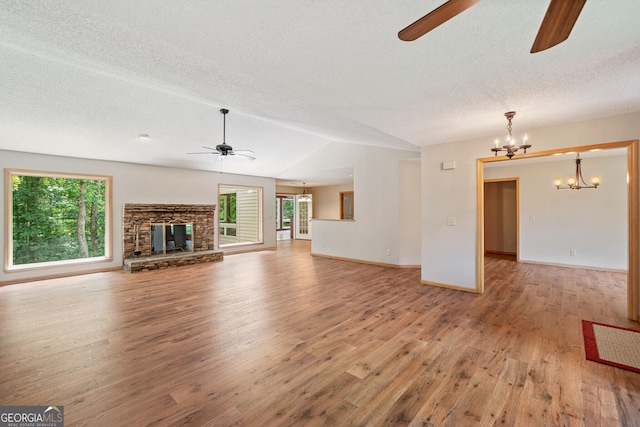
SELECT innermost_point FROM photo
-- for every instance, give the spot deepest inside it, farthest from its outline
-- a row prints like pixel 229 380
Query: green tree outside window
pixel 57 218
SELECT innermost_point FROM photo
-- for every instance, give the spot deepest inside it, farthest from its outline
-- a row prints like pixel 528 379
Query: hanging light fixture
pixel 577 182
pixel 304 197
pixel 510 145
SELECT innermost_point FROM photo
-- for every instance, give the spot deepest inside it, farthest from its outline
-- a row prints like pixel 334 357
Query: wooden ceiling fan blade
pixel 557 24
pixel 435 18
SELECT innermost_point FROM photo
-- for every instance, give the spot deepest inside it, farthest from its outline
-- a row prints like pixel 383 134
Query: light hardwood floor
pixel 283 338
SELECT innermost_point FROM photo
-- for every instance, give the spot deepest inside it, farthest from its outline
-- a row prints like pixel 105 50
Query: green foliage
pixel 232 208
pixel 45 218
pixel 228 208
pixel 287 208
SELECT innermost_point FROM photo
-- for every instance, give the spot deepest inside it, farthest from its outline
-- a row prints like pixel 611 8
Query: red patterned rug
pixel 612 345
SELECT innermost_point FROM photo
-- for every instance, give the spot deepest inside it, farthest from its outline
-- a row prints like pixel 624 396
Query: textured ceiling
pixel 84 79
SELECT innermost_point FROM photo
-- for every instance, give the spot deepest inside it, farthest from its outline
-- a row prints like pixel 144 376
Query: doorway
pixel 346 205
pixel 501 213
pixel 285 214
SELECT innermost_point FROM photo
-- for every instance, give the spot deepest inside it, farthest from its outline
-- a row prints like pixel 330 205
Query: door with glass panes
pixel 303 217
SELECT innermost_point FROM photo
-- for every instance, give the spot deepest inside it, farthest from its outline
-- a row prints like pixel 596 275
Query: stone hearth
pixel 143 215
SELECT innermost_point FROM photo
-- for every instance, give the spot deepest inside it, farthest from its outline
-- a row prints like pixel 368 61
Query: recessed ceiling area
pixel 86 79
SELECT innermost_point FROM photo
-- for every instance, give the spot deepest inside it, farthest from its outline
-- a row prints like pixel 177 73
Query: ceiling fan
pixel 556 26
pixel 225 149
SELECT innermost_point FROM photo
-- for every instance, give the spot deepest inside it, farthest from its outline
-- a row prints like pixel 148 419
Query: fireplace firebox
pixel 169 238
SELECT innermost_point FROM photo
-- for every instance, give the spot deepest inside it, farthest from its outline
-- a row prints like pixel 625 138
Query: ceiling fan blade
pixel 557 24
pixel 213 151
pixel 435 18
pixel 244 153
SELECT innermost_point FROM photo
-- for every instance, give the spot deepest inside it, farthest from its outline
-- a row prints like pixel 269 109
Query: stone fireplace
pixel 141 218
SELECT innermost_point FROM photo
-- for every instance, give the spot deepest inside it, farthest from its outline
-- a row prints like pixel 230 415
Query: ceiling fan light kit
pixel 556 25
pixel 510 144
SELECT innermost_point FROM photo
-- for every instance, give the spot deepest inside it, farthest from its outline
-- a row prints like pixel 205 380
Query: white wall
pixel 592 222
pixel 133 183
pixel 448 252
pixel 410 207
pixel 375 231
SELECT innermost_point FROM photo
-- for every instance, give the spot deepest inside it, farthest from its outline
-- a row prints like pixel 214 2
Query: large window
pixel 56 219
pixel 240 215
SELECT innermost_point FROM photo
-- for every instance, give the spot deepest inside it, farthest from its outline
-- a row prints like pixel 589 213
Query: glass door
pixel 303 217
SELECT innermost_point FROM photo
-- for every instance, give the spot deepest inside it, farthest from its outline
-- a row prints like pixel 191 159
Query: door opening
pixel 501 213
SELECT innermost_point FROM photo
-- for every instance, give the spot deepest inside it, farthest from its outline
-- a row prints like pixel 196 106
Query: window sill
pixel 55 264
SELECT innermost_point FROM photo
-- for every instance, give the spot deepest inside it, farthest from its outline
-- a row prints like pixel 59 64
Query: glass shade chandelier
pixel 577 182
pixel 510 144
pixel 304 197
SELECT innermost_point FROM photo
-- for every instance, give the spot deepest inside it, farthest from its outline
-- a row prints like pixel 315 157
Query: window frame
pixel 9 267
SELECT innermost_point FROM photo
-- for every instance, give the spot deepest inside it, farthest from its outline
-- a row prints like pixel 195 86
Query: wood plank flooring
pixel 281 338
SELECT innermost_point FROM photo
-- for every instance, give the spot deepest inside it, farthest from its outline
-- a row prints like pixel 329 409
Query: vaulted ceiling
pixel 85 78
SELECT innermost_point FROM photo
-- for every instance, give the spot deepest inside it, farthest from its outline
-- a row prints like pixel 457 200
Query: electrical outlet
pixel 388 252
pixel 572 252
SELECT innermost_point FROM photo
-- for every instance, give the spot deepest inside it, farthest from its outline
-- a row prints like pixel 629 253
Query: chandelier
pixel 510 145
pixel 304 197
pixel 574 182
